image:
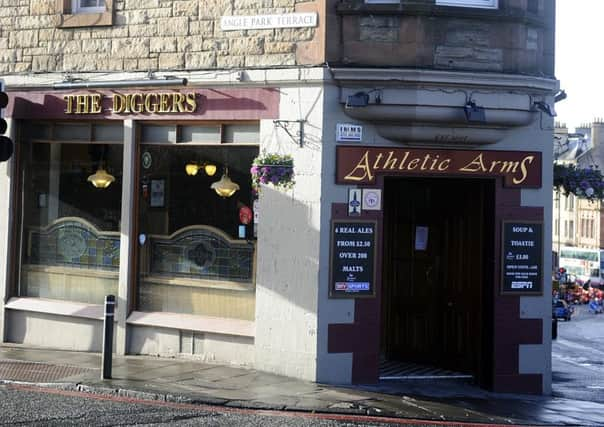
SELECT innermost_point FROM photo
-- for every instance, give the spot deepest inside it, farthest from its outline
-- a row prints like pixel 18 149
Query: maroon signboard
pixel 360 165
pixel 146 104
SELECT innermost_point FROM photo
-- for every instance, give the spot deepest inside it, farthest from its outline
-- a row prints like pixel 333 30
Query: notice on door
pixel 352 258
pixel 522 258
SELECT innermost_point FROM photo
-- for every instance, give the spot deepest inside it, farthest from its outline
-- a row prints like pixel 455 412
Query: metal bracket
pixel 284 124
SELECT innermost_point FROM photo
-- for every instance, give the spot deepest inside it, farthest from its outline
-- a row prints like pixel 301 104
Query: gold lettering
pixel 363 167
pixel 150 107
pixel 423 166
pixel 390 162
pixel 191 102
pixel 413 163
pixel 377 160
pixel 477 164
pixel 164 103
pixel 401 165
pixel 81 104
pixel 95 103
pixel 509 167
pixel 69 99
pixel 177 103
pixel 119 103
pixel 136 103
pixel 493 164
pixel 444 165
pixel 523 169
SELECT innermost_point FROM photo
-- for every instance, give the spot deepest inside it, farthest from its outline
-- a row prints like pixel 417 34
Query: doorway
pixel 437 278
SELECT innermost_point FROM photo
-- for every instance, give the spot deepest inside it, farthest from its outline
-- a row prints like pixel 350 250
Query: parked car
pixel 562 310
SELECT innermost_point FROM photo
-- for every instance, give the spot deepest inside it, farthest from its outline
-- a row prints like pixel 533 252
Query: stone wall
pixel 516 38
pixel 151 35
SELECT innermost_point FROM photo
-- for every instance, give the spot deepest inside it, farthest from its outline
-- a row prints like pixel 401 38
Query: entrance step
pixel 395 370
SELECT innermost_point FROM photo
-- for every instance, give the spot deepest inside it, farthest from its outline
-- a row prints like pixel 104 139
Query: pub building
pixel 382 253
pixel 416 230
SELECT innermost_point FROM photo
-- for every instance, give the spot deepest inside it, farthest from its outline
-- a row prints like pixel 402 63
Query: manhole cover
pixel 37 372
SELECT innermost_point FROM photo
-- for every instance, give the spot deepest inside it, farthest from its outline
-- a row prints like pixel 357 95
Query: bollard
pixel 554 328
pixel 108 337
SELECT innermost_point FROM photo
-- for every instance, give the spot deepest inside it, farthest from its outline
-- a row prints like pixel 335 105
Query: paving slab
pixel 196 382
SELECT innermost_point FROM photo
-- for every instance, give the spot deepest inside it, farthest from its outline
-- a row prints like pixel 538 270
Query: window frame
pixel 70 17
pixel 480 4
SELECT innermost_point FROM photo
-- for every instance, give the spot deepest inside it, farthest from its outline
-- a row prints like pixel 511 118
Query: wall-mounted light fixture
pixel 225 187
pixel 191 168
pixel 474 113
pixel 560 96
pixel 361 99
pixel 545 108
pixel 77 84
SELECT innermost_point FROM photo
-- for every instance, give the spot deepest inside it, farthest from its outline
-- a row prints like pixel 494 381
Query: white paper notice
pixel 421 238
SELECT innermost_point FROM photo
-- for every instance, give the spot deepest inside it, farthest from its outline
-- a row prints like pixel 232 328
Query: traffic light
pixel 6 145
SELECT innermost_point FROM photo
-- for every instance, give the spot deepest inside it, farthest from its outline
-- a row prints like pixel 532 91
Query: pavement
pixel 194 382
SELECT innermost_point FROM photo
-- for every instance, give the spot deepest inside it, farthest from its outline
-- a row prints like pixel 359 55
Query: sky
pixel 580 60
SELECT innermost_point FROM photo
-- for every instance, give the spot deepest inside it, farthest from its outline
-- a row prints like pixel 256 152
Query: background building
pixel 418 229
pixel 577 221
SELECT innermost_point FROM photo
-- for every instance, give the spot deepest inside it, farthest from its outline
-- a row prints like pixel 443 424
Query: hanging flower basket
pixel 586 183
pixel 272 169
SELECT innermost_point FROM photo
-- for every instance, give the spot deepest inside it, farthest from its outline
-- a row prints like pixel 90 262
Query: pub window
pixel 70 229
pixel 196 249
pixel 485 4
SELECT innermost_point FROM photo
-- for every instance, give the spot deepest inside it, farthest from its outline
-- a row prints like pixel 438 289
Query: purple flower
pixel 275 179
pixel 263 179
pixel 266 170
pixel 254 170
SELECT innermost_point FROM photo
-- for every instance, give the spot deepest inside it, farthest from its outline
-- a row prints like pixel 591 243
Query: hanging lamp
pixel 225 187
pixel 101 179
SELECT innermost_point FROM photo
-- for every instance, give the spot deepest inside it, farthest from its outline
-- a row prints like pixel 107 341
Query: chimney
pixel 597 132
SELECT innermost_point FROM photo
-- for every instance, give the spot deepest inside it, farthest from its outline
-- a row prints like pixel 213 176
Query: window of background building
pixel 196 249
pixel 70 234
pixel 571 229
pixel 556 227
pixel 565 228
pixel 85 13
pixel 486 4
pixel 88 6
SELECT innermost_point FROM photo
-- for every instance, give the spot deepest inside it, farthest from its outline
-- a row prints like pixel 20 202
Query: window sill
pixel 86 20
pixel 216 325
pixel 57 307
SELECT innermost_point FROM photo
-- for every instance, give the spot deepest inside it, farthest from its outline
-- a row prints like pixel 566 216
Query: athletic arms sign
pixel 361 165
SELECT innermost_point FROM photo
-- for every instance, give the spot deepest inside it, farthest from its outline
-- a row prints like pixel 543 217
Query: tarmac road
pixel 33 406
pixel 578 357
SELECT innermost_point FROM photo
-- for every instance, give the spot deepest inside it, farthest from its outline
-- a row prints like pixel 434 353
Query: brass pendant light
pixel 101 179
pixel 225 187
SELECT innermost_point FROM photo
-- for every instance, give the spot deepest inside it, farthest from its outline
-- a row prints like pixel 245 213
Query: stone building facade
pixel 416 129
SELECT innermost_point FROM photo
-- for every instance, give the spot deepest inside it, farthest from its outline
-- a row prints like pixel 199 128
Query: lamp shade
pixel 225 187
pixel 101 179
pixel 210 169
pixel 191 168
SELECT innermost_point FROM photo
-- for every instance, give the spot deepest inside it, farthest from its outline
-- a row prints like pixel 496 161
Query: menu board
pixel 522 258
pixel 352 258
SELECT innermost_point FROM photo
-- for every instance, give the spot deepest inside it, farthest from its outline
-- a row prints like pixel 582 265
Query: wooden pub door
pixel 435 298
